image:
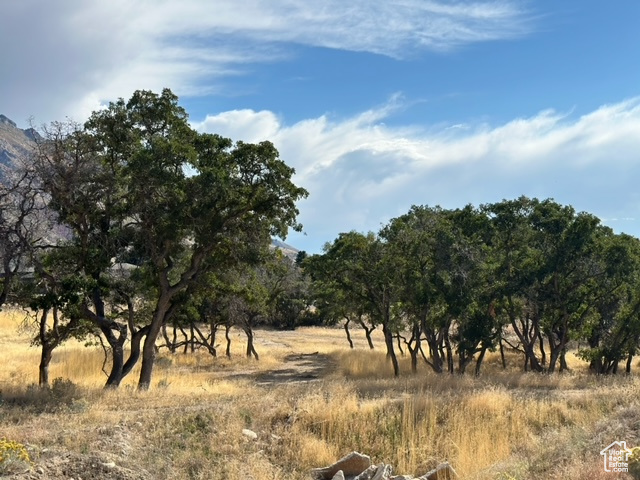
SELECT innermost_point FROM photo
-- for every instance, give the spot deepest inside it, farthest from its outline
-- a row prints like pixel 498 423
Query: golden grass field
pixel 311 400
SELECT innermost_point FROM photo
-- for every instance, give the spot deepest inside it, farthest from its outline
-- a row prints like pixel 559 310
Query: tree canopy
pixel 532 274
pixel 137 185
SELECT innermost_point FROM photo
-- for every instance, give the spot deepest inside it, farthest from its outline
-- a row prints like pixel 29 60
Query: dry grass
pixel 504 425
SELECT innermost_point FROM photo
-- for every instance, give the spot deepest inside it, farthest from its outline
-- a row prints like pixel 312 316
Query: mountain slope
pixel 15 143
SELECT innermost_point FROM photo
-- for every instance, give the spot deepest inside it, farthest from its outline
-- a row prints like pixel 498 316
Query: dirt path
pixel 299 368
pixel 296 368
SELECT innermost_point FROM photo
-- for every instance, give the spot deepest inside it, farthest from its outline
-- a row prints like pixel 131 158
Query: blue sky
pixel 378 105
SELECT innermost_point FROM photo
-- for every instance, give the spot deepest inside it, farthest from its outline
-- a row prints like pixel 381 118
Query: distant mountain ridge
pixel 15 143
pixel 285 248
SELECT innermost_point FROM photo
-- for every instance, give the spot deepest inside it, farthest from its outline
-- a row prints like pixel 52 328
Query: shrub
pixel 13 457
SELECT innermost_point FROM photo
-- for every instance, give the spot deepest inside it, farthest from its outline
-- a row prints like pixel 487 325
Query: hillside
pixel 285 248
pixel 14 142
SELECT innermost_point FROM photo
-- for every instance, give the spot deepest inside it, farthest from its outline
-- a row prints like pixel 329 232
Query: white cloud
pixel 245 125
pixel 68 57
pixel 360 172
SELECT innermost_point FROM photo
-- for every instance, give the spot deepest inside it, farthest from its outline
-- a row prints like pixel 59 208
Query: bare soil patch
pixel 299 368
pixel 296 368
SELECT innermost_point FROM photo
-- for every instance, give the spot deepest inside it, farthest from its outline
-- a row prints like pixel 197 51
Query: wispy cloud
pixel 71 56
pixel 361 172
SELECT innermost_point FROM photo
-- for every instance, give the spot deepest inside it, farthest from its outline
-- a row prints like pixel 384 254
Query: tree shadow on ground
pixel 296 368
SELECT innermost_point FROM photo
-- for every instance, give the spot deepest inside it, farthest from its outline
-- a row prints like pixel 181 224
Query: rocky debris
pixel 376 472
pixel 350 465
pixel 357 466
pixel 55 464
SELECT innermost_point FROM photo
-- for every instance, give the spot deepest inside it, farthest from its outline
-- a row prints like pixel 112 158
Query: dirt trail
pixel 299 368
pixel 296 368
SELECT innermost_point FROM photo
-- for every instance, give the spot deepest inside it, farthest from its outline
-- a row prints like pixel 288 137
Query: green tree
pixel 612 329
pixel 86 198
pixel 138 182
pixel 189 195
pixel 471 297
pixel 567 269
pixel 333 303
pixel 415 240
pixel 514 260
pixel 359 265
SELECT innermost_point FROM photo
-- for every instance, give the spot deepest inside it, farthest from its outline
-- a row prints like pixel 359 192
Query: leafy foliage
pixel 464 281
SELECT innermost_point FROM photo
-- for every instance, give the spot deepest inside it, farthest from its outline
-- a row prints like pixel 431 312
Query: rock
pixel 353 464
pixel 109 465
pixel 357 466
pixel 383 472
pixel 376 472
pixel 250 434
pixel 444 471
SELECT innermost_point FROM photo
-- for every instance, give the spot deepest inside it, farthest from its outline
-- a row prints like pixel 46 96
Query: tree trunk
pixel 414 346
pixel 463 362
pixel 213 328
pixel 628 364
pixel 388 338
pixel 148 350
pixel 479 361
pixel 185 342
pixel 557 344
pixel 50 340
pixel 367 332
pixel 528 340
pixel 171 346
pixel 47 344
pixel 596 365
pixel 437 361
pixel 397 335
pixel 203 340
pixel 43 370
pixel 543 354
pixel 447 344
pixel 346 330
pixel 502 357
pixel 563 361
pixel 108 327
pixel 117 355
pixel 45 353
pixel 193 338
pixel 250 348
pixel 227 352
pixel 433 341
pixel 134 354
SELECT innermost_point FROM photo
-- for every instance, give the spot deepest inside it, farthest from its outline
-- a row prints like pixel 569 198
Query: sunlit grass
pixel 503 425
